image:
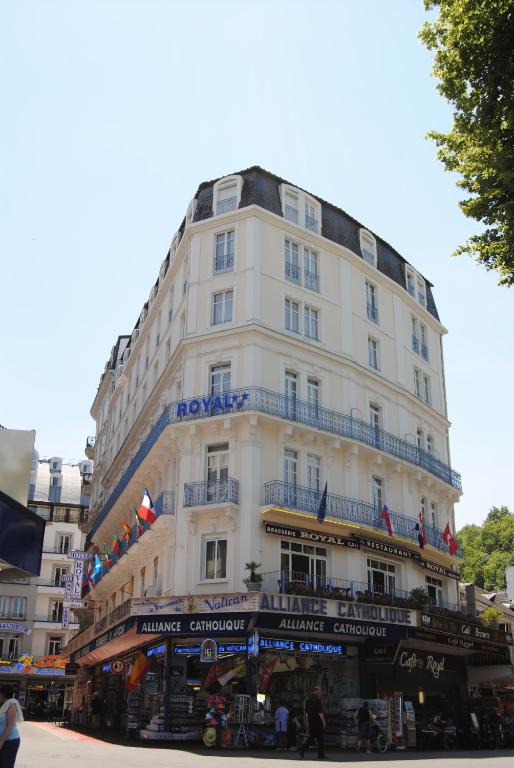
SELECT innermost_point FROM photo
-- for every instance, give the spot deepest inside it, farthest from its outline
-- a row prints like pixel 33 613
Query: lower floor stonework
pixel 219 676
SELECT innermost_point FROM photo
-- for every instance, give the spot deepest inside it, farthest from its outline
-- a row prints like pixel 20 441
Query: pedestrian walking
pixel 363 718
pixel 281 726
pixel 10 716
pixel 316 723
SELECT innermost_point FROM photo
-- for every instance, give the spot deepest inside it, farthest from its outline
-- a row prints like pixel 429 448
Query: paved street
pixel 48 746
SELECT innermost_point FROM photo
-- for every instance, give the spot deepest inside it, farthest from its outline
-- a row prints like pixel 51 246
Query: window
pixel 313 473
pixel 311 269
pixel 303 562
pixel 310 217
pixel 311 325
pixel 290 466
pixel 313 388
pixel 371 302
pixel 64 543
pixel 226 198
pixel 426 389
pixel 4 606
pixel 60 571
pixel 430 444
pixel 434 589
pixel 417 382
pixel 419 338
pixel 420 438
pixel 422 297
pixel 292 315
pixel 423 508
pixel 147 353
pixel 158 330
pixel 56 610
pixel 220 378
pixel 217 471
pixel 290 394
pixel 373 353
pixel 9 647
pixel 411 285
pixel 170 305
pixel 368 248
pixel 155 570
pixel 183 325
pixel 224 253
pixel 291 206
pixel 291 264
pixel 18 607
pixel 222 307
pixel 54 646
pixel 215 559
pixel 381 576
pixel 433 514
pixel 142 575
pixel 376 492
pixel 168 351
pixel 375 415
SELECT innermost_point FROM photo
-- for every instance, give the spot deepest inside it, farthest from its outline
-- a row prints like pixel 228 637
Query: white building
pixel 59 493
pixel 283 347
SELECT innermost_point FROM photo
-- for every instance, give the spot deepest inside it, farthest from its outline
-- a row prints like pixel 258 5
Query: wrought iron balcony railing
pixel 211 492
pixel 311 280
pixel 348 510
pixel 292 272
pixel 283 407
pixel 225 206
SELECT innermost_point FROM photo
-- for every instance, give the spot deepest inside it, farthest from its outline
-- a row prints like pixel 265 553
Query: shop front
pixel 42 685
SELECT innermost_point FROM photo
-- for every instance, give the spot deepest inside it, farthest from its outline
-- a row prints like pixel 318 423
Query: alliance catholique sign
pixel 194 624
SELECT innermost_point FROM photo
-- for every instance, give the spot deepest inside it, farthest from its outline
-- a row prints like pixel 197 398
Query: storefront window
pixel 303 562
pixel 215 559
pixel 381 576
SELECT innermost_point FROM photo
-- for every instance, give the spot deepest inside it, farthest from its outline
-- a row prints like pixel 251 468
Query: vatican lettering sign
pixel 210 404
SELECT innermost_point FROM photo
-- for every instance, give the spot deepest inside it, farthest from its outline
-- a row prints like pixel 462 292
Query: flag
pixel 266 672
pixel 108 561
pixel 137 671
pixel 447 534
pixel 116 546
pixel 386 517
pixel 139 523
pixel 322 509
pixel 90 574
pixel 146 511
pixel 97 569
pixel 227 676
pixel 127 531
pixel 420 528
pixel 453 545
pixel 214 673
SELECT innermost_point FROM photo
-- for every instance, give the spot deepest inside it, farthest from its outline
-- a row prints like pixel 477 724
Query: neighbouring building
pixel 287 365
pixel 33 621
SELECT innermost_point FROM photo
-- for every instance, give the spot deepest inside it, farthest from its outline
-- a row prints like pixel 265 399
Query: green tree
pixel 473 44
pixel 488 549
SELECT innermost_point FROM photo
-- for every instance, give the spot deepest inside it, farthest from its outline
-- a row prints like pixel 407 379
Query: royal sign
pixel 207 406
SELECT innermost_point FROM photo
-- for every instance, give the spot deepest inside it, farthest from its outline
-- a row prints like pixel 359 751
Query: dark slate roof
pixel 260 187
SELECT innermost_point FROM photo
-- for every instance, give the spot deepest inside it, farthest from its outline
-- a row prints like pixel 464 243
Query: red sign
pixel 118 666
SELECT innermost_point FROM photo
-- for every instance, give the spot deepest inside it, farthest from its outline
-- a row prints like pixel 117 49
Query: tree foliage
pixel 488 549
pixel 473 44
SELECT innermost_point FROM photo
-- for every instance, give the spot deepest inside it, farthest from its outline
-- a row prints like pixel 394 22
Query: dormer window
pixel 227 195
pixel 368 247
pixel 422 293
pixel 174 244
pixel 410 281
pixel 291 211
pixel 191 208
pixel 311 221
pixel 299 208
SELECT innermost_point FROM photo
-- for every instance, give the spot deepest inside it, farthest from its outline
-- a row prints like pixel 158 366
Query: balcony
pixel 291 213
pixel 372 312
pixel 211 492
pixel 280 406
pixel 311 280
pixel 164 505
pixel 347 510
pixel 225 206
pixel 293 272
pixel 311 223
pixel 299 583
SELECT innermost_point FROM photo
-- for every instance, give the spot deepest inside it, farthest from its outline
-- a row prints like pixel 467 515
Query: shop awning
pixel 118 640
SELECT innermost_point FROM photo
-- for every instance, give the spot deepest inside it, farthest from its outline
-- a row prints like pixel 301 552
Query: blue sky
pixel 114 111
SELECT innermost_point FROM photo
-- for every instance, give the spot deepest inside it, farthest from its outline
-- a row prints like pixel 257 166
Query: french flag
pixel 386 517
pixel 146 511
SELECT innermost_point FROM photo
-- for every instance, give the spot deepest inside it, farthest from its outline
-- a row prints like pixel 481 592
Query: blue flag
pixel 97 569
pixel 322 509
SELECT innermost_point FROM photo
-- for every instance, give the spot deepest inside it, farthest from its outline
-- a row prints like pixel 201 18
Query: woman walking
pixel 10 716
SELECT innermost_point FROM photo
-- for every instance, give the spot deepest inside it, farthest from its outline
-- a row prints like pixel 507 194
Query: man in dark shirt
pixel 316 723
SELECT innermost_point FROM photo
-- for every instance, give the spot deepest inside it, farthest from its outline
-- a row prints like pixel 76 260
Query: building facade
pixel 284 350
pixel 34 625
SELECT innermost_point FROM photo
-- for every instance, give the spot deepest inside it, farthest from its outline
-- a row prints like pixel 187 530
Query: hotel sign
pixel 313 536
pixel 210 404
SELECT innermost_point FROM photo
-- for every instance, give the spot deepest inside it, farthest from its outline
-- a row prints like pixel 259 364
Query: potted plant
pixel 419 598
pixel 254 581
